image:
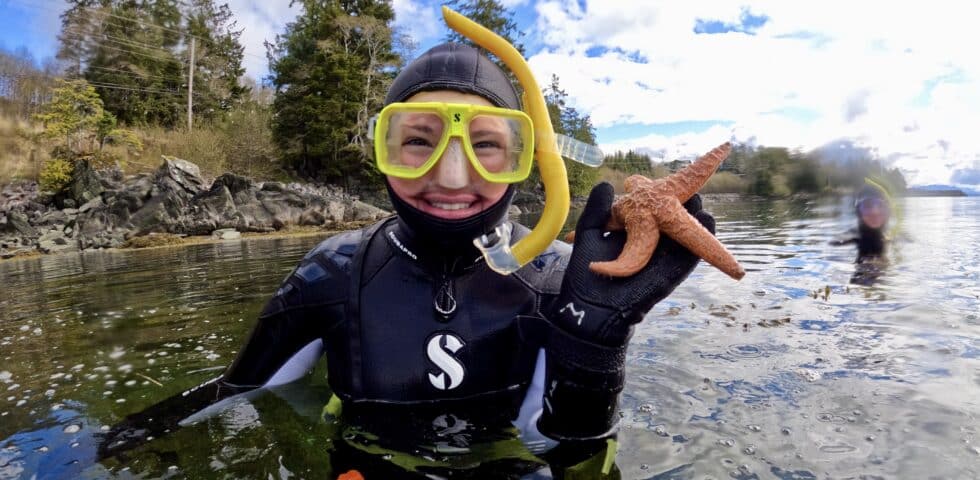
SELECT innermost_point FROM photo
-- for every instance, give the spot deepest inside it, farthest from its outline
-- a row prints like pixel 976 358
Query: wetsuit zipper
pixel 445 301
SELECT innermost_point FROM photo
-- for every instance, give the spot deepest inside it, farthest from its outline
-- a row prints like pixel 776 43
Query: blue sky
pixel 674 79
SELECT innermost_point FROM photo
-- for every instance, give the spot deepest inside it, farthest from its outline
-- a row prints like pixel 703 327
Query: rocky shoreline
pixel 105 210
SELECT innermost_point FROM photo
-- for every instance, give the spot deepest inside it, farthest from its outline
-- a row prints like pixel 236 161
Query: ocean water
pixel 812 366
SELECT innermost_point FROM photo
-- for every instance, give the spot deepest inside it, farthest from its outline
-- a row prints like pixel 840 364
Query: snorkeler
pixel 873 207
pixel 412 317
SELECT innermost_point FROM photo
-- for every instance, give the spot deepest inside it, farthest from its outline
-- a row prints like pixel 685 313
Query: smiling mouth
pixel 451 206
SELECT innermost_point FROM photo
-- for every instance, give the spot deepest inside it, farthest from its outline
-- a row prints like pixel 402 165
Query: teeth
pixel 450 206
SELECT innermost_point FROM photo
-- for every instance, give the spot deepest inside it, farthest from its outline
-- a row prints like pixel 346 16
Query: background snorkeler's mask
pixel 410 138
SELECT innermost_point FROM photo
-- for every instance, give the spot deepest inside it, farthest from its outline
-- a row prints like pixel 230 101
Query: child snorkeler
pixel 420 330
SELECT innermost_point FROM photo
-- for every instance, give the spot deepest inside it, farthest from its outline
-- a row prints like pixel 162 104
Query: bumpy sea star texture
pixel 654 206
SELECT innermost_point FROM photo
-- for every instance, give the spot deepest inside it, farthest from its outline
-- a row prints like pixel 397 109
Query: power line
pixel 140 22
pixel 132 74
pixel 116 86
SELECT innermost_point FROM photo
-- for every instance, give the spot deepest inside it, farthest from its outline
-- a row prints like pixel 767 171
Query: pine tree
pixel 218 54
pixel 136 54
pixel 566 120
pixel 330 71
pixel 491 14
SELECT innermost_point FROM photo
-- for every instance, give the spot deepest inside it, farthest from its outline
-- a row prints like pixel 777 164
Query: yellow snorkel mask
pixel 496 249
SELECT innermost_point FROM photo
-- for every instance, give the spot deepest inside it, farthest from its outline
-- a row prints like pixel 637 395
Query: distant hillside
pixel 939 191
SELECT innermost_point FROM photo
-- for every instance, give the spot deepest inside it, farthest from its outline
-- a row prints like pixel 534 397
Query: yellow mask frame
pixel 496 249
pixel 456 119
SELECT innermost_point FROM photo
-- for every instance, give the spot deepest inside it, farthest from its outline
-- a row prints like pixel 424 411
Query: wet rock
pixel 174 199
pixel 85 185
pixel 18 223
pixel 226 234
pixel 361 211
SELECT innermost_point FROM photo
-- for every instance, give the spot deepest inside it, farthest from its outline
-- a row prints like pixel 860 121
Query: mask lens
pixel 498 142
pixel 412 138
pixel 869 204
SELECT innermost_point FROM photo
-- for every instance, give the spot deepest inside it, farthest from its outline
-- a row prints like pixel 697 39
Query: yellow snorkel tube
pixel 500 256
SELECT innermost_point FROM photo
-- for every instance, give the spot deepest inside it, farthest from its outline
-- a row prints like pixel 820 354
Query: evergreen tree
pixel 491 14
pixel 218 59
pixel 136 54
pixel 330 70
pixel 566 120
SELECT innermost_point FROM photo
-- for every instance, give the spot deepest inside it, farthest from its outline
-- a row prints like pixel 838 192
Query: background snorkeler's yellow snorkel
pixel 549 160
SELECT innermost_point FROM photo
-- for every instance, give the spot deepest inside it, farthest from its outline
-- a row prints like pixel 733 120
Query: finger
pixel 597 208
pixel 707 220
pixel 693 205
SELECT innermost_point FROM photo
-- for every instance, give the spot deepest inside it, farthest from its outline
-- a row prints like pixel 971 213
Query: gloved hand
pixel 593 318
pixel 602 309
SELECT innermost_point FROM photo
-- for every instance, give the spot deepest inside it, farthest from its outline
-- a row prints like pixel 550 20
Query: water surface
pixel 795 372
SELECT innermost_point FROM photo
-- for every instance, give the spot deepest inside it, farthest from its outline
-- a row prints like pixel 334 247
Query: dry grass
pixel 725 182
pixel 20 157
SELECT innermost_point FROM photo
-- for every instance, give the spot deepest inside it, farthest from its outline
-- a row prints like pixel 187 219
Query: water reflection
pixel 794 372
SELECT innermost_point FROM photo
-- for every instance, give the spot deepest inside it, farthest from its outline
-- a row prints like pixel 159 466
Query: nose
pixel 453 170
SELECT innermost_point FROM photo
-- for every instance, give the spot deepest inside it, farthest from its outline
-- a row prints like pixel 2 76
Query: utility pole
pixel 190 89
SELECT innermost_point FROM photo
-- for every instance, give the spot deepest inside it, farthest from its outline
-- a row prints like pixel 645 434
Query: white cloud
pixel 420 21
pixel 261 22
pixel 862 67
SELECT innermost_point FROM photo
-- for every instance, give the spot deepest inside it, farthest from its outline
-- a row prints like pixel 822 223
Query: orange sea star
pixel 653 206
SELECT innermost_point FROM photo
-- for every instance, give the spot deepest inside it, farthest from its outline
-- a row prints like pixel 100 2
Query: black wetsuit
pixel 402 323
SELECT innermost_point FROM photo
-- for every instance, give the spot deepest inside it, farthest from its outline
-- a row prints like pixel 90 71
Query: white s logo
pixel 436 350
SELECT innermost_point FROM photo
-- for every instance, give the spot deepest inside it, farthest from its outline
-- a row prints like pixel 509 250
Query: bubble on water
pixel 117 352
pixel 842 448
pixel 6 376
pixel 111 383
pixel 101 369
pixel 20 403
pixel 839 429
pixel 130 383
pixel 162 353
pixel 125 368
pixel 661 431
pixel 13 387
pixel 73 428
pixel 56 376
pixel 749 449
pixel 49 393
pixel 785 431
pixel 57 406
pixel 755 428
pixel 870 438
pixel 151 361
pixel 645 408
pixel 11 398
pixel 121 400
pixel 25 328
pixel 809 375
pixel 198 348
pixel 172 468
pixel 107 393
pixel 74 444
pixel 41 449
pixel 213 356
pixel 104 428
pixel 726 442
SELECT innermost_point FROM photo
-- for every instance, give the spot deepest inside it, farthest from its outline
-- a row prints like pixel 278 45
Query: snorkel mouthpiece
pixel 499 255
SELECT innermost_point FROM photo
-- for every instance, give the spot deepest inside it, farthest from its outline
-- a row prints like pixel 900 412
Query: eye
pixel 486 144
pixel 417 142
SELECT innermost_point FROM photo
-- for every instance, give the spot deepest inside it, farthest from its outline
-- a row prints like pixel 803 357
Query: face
pixel 873 212
pixel 452 190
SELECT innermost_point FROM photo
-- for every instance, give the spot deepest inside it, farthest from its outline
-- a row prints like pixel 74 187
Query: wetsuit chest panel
pixel 411 353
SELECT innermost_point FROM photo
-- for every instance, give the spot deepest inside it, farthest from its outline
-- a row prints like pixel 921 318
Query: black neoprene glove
pixel 603 309
pixel 593 319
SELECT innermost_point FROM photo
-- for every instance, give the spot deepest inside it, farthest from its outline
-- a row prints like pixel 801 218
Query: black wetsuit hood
pixel 452 66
